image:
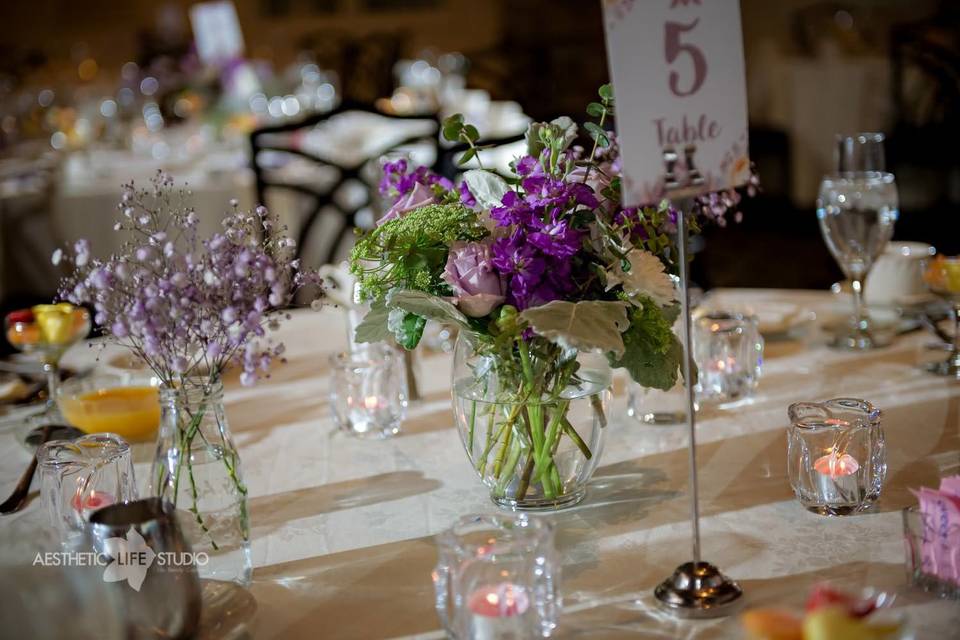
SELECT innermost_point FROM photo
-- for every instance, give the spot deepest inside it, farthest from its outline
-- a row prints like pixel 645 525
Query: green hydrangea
pixel 410 252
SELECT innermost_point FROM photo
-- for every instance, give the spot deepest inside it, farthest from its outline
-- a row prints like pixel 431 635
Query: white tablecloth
pixel 342 528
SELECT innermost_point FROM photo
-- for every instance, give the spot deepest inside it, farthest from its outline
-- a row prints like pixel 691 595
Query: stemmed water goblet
pixel 943 278
pixel 46 331
pixel 857 208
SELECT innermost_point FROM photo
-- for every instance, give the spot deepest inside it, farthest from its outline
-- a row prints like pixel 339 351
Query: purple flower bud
pixel 229 315
pixel 119 329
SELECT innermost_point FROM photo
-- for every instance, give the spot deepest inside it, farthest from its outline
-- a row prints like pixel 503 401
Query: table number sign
pixel 678 75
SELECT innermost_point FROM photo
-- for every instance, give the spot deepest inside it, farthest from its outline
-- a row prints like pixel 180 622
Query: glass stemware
pixel 857 208
pixel 943 278
pixel 46 331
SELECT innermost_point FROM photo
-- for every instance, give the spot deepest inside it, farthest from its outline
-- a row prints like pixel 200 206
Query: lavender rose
pixel 420 196
pixel 477 287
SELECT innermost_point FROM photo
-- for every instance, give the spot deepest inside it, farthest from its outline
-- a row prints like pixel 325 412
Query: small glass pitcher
pixel 497 577
pixel 835 455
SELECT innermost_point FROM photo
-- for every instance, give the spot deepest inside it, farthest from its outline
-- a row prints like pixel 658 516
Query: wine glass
pixel 47 331
pixel 857 208
pixel 943 278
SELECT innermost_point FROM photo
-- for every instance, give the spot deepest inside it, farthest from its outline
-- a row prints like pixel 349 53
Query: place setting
pixel 321 328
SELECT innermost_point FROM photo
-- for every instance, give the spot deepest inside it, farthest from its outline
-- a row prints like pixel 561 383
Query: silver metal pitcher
pixel 151 565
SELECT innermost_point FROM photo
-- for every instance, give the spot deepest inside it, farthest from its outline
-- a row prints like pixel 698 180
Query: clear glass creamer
pixel 836 457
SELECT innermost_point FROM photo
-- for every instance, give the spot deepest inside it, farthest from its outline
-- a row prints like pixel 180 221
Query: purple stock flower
pixel 466 197
pixel 522 263
pixel 556 238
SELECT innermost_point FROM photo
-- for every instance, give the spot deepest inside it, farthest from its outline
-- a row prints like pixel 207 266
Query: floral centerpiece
pixel 189 308
pixel 534 269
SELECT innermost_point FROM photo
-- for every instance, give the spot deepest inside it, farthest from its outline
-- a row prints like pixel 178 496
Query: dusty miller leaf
pixel 589 325
pixel 426 306
pixel 488 188
pixel 373 327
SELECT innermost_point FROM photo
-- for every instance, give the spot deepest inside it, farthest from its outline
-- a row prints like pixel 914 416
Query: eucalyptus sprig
pixel 599 110
pixel 456 130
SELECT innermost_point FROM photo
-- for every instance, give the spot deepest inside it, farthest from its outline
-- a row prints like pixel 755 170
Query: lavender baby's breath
pixel 185 304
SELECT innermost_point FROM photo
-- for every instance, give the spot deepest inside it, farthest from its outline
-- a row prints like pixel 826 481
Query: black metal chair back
pixel 273 147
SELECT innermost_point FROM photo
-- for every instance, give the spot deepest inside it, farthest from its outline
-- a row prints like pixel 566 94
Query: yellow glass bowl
pixel 128 406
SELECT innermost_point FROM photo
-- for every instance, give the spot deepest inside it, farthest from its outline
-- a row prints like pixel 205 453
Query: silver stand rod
pixel 697 589
pixel 685 206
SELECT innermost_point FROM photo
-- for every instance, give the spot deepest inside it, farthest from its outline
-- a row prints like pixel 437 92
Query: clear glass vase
pixel 197 468
pixel 532 419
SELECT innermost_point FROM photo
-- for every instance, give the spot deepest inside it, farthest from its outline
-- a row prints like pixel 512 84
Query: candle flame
pixel 837 466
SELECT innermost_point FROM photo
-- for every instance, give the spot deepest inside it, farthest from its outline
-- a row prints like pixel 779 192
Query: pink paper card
pixel 950 485
pixel 941 536
pixel 678 79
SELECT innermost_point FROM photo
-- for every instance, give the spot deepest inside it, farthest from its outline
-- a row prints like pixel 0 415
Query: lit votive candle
pixel 93 501
pixel 837 474
pixel 497 612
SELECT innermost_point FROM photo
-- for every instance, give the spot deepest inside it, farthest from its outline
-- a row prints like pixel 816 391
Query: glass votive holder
pixel 368 392
pixel 928 567
pixel 80 476
pixel 497 576
pixel 728 351
pixel 836 457
pixel 656 407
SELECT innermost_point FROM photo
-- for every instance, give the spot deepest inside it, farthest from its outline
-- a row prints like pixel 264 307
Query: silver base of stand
pixel 698 591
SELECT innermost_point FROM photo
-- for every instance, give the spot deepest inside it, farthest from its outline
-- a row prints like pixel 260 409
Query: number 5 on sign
pixel 677 71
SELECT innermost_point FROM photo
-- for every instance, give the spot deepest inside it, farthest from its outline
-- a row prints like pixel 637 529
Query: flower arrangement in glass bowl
pixel 536 270
pixel 190 307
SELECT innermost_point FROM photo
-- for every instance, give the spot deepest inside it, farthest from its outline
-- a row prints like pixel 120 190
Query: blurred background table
pixel 342 528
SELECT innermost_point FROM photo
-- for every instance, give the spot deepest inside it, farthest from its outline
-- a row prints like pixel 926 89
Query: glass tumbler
pixel 836 456
pixel 497 577
pixel 926 568
pixel 728 350
pixel 81 476
pixel 368 392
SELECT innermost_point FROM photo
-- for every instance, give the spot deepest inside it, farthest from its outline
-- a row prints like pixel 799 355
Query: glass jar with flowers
pixel 190 308
pixel 541 271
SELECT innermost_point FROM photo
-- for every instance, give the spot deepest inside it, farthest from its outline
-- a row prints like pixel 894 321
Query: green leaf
pixel 595 109
pixel 566 129
pixel 532 136
pixel 647 367
pixel 594 129
pixel 671 313
pixel 606 91
pixel 652 353
pixel 426 306
pixel 487 187
pixel 471 133
pixel 373 327
pixel 452 127
pixel 589 325
pixel 467 156
pixel 407 328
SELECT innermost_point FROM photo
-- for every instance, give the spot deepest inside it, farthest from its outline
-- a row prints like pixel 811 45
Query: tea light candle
pixel 837 476
pixel 724 365
pixel 836 466
pixel 497 611
pixel 94 500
